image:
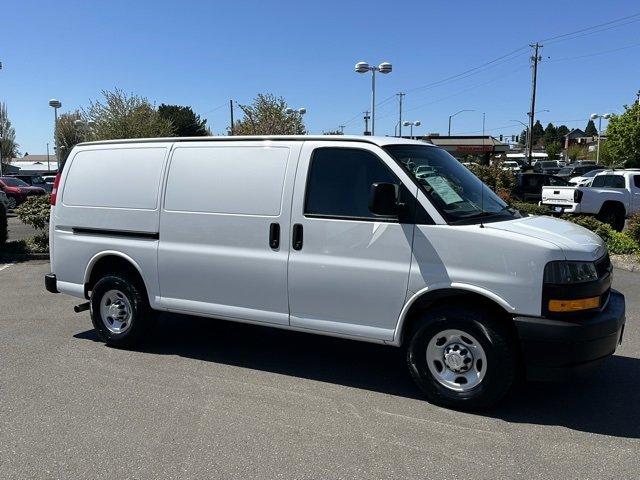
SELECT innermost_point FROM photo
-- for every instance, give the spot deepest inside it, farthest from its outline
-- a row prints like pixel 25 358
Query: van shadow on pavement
pixel 607 402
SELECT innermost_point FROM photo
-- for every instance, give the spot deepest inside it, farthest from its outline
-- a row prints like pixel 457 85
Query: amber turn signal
pixel 574 305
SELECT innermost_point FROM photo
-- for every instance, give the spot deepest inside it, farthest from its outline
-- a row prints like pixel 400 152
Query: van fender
pixel 464 287
pixel 105 253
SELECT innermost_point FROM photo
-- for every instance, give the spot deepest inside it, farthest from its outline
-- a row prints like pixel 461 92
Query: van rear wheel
pixel 120 311
pixel 460 359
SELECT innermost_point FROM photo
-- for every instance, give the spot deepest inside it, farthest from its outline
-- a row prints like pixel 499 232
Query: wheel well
pixel 443 297
pixel 113 264
pixel 613 204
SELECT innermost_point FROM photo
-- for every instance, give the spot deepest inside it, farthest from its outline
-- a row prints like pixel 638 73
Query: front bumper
pixel 560 349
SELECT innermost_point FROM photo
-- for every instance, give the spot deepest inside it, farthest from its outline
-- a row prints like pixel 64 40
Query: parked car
pixel 334 235
pixel 35 181
pixel 571 171
pixel 511 165
pixel 585 179
pixel 4 200
pixel 528 186
pixel 18 191
pixel 548 167
pixel 612 197
pixel 584 163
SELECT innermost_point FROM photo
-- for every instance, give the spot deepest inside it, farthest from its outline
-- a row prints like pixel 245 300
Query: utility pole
pixel 231 112
pixel 48 161
pixel 341 128
pixel 366 123
pixel 535 58
pixel 400 95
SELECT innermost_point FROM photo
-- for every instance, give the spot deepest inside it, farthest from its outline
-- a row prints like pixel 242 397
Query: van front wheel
pixel 460 359
pixel 120 311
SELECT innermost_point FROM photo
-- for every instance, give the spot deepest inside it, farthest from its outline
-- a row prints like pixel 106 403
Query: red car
pixel 17 191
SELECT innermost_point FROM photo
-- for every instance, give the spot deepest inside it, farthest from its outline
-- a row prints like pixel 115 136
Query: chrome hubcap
pixel 456 360
pixel 115 311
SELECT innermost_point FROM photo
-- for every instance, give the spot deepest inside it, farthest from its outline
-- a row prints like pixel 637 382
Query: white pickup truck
pixel 612 197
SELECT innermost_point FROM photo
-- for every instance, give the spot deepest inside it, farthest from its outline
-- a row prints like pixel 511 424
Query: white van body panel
pixel 96 198
pixel 219 203
pixel 351 276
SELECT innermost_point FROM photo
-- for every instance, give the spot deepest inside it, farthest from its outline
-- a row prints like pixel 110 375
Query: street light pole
pixel 400 95
pixel 412 124
pixel 593 116
pixel 451 116
pixel 56 104
pixel 363 67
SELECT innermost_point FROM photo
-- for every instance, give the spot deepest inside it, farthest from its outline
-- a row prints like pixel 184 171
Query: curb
pixel 21 257
pixel 625 262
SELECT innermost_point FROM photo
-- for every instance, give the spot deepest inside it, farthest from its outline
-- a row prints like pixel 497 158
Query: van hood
pixel 577 242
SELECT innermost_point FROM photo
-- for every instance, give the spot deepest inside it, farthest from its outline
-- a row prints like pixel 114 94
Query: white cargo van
pixel 375 239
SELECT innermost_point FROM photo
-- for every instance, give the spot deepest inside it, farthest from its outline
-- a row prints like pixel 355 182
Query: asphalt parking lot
pixel 17 229
pixel 209 399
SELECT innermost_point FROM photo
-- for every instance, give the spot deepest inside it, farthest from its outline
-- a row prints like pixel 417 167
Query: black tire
pixel 141 316
pixel 613 215
pixel 12 203
pixel 499 349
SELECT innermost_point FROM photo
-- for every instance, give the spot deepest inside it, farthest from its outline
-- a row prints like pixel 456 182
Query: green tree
pixel 267 116
pixel 126 116
pixel 68 134
pixel 553 149
pixel 8 145
pixel 550 135
pixel 522 139
pixel 623 137
pixel 537 133
pixel 575 152
pixel 591 130
pixel 563 130
pixel 333 132
pixel 185 122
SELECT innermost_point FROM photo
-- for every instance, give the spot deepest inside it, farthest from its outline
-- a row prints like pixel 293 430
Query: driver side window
pixel 340 180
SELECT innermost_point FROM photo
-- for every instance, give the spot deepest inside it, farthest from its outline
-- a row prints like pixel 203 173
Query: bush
pixel 498 180
pixel 622 244
pixel 35 244
pixel 530 208
pixel 618 243
pixel 633 227
pixel 35 212
pixel 3 225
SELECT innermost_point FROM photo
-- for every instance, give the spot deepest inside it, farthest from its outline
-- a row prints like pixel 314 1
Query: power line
pixel 216 108
pixel 557 38
pixel 603 52
pixel 472 87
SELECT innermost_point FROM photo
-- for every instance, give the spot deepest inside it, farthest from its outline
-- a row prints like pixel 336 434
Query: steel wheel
pixel 456 360
pixel 12 203
pixel 115 311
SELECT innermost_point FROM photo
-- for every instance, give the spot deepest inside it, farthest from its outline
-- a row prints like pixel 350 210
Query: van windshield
pixel 458 194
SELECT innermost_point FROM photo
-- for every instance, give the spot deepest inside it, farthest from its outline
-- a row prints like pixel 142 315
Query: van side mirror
pixel 383 199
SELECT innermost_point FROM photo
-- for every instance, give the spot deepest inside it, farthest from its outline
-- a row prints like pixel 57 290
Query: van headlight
pixel 564 272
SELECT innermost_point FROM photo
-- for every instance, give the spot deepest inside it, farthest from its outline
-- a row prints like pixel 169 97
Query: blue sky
pixel 204 53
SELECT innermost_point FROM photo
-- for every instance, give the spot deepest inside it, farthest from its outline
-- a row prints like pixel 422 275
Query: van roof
pixel 380 141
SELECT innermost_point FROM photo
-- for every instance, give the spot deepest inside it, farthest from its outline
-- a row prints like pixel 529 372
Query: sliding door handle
pixel 297 236
pixel 274 235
